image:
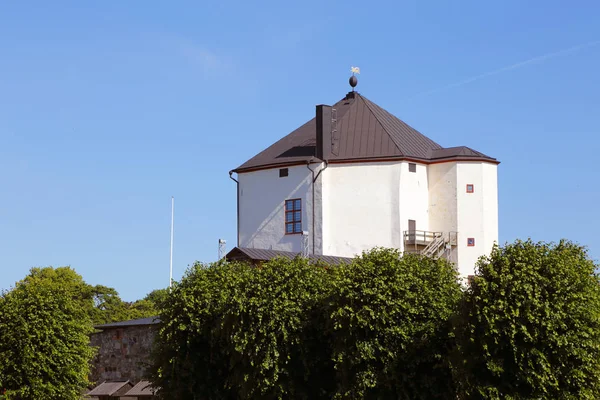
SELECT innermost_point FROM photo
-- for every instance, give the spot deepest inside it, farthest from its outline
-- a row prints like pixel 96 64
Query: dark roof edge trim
pixel 131 322
pixel 313 160
pixel 367 160
pixel 417 160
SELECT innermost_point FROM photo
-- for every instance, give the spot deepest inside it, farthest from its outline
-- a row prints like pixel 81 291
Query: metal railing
pixel 411 237
pixel 429 243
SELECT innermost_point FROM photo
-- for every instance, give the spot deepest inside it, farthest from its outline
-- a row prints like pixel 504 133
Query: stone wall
pixel 122 353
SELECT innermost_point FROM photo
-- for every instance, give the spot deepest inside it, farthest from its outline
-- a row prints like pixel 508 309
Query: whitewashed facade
pixel 349 205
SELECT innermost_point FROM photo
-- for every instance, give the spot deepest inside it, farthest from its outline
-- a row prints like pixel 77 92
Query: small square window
pixel 470 188
pixel 412 167
pixel 283 172
pixel 471 242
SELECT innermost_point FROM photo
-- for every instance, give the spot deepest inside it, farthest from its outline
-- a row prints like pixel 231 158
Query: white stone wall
pixel 414 198
pixel 262 196
pixel 443 215
pixel 361 204
pixel 442 197
pixel 490 206
pixel 477 212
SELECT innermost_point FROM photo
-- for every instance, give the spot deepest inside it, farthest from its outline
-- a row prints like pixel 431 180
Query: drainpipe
pixel 314 179
pixel 238 206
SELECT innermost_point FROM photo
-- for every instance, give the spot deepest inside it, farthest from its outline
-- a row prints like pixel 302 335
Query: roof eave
pixel 463 158
pixel 241 170
pixel 415 159
pixel 490 160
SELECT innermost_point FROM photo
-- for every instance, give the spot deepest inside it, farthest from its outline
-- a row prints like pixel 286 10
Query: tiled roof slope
pixel 366 131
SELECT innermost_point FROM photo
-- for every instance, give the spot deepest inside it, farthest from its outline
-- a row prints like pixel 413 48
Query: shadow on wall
pixel 269 230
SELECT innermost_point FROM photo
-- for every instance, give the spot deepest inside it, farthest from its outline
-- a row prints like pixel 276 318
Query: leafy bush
pixel 234 331
pixel 385 326
pixel 388 320
pixel 531 325
pixel 44 343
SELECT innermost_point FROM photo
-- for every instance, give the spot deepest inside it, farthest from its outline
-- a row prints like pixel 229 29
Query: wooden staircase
pixel 430 244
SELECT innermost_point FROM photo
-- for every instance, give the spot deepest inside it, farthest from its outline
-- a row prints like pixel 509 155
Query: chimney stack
pixel 323 150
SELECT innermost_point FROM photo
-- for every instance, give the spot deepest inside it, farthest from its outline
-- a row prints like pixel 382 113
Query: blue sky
pixel 108 109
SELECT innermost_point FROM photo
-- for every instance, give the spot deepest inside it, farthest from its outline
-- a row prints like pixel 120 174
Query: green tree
pixel 44 342
pixel 389 325
pixel 530 326
pixel 233 331
pixel 146 307
pixel 107 305
pixel 157 296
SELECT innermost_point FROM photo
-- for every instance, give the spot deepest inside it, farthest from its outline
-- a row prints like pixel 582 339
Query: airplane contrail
pixel 510 67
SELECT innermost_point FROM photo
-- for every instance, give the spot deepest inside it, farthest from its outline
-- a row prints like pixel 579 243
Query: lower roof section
pixel 141 389
pixel 252 255
pixel 130 322
pixel 111 389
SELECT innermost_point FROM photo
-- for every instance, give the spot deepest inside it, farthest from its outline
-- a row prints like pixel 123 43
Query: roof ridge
pixel 380 123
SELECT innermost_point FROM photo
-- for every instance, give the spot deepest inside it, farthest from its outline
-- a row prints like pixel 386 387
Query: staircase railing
pixel 436 244
pixel 433 248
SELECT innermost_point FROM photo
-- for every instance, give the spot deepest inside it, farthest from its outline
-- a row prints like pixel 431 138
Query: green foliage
pixel 146 307
pixel 289 329
pixel 156 296
pixel 530 326
pixel 235 331
pixel 44 343
pixel 388 320
pixel 108 306
pixel 385 327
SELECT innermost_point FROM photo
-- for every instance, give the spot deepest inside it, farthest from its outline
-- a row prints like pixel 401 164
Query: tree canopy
pixel 44 342
pixel 230 330
pixel 530 326
pixel 293 329
pixel 388 318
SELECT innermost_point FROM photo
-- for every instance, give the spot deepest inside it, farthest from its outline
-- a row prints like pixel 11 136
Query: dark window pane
pixel 289 217
pixel 297 216
pixel 298 204
pixel 289 204
pixel 412 167
pixel 289 228
pixel 283 172
pixel 298 227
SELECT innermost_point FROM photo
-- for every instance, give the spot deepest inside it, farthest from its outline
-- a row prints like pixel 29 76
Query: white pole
pixel 171 259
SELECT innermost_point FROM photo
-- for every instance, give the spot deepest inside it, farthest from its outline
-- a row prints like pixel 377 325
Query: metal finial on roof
pixel 353 79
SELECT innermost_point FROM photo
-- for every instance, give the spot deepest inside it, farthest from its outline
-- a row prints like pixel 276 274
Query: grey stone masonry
pixel 122 352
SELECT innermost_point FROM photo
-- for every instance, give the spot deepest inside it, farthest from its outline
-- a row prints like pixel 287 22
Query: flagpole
pixel 171 258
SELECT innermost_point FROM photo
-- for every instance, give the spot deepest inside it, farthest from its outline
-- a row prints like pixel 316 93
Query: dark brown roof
pixel 111 389
pixel 366 131
pixel 131 322
pixel 141 389
pixel 245 253
pixel 460 151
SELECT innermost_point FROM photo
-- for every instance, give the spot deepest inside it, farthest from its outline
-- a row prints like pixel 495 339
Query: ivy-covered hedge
pixel 385 327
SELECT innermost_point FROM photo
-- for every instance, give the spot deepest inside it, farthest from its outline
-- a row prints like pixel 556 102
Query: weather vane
pixel 353 80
